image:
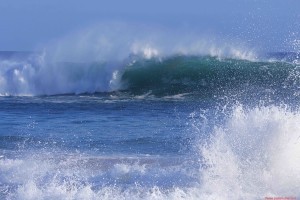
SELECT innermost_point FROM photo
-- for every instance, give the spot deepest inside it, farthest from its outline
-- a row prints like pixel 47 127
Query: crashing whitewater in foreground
pixel 137 120
pixel 248 157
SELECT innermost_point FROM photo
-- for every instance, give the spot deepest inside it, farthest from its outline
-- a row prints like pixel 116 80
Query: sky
pixel 267 24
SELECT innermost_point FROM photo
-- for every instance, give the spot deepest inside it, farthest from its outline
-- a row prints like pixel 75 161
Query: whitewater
pixel 97 115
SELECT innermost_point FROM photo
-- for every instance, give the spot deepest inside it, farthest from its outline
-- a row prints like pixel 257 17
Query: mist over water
pixel 95 59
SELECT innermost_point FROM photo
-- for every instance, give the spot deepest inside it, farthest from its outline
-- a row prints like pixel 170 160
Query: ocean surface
pixel 179 126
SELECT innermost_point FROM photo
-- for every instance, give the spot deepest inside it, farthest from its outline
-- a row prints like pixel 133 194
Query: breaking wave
pixel 178 74
pixel 104 59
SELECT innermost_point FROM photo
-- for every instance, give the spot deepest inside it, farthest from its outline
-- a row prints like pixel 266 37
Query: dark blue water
pixel 94 124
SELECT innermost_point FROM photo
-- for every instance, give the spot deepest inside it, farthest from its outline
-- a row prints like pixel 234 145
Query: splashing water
pixel 253 154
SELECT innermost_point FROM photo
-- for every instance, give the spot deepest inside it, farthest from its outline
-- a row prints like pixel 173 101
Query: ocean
pixel 177 126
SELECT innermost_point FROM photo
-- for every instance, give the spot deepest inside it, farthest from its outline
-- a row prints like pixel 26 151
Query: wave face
pixel 208 76
pixel 201 76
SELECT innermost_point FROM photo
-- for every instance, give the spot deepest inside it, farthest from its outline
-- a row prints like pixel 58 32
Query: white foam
pixel 43 177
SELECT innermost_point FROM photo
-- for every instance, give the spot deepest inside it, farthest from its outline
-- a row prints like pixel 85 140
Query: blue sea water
pixel 150 127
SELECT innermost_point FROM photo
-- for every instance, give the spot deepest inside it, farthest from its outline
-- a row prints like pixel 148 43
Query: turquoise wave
pixel 200 76
pixel 209 76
